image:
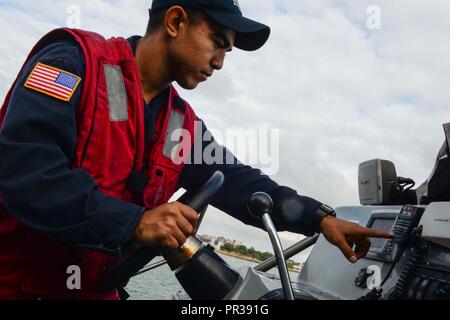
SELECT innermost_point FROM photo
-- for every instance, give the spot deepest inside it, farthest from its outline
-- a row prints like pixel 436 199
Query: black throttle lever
pixel 260 205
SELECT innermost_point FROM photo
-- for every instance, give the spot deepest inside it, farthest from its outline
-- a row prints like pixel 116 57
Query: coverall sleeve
pixel 291 211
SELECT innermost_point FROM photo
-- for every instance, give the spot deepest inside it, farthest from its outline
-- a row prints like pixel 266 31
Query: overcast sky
pixel 341 85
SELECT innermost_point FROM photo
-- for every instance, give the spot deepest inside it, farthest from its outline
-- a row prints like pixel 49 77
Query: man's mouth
pixel 207 74
pixel 203 76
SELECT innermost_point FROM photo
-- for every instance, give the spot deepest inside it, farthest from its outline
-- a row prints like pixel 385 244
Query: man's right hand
pixel 168 225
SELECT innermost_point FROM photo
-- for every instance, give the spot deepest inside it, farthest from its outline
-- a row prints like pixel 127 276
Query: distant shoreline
pixel 238 256
pixel 246 258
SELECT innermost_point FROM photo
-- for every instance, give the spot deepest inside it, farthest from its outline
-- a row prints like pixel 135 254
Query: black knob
pixel 260 203
pixel 363 276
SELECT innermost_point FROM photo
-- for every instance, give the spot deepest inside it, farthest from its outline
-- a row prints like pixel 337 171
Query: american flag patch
pixel 54 82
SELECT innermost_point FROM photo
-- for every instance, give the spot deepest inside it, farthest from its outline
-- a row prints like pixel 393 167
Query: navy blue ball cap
pixel 250 35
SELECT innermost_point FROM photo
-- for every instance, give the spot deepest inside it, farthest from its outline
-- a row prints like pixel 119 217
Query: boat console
pixel 406 267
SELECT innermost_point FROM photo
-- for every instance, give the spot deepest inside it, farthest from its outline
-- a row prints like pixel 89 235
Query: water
pixel 161 284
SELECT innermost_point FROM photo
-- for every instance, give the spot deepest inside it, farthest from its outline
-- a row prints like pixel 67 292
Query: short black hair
pixel 156 19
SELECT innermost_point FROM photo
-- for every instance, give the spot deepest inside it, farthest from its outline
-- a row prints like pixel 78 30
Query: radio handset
pixel 407 220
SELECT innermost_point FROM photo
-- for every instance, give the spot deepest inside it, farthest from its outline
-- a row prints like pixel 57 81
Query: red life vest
pixel 110 147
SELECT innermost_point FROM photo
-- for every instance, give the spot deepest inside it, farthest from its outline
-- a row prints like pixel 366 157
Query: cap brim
pixel 250 35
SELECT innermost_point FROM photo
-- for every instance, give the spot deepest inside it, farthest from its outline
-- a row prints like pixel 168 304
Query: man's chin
pixel 188 85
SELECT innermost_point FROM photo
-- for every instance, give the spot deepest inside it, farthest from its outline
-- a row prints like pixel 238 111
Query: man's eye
pixel 219 44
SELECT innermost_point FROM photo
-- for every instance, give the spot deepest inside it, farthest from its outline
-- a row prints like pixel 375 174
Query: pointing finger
pixel 372 233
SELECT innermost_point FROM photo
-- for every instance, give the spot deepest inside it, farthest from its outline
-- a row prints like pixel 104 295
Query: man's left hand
pixel 345 235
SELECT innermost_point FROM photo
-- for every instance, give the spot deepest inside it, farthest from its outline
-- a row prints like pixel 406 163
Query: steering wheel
pixel 135 256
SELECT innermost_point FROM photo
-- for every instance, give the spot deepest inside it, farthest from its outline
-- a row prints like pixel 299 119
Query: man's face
pixel 199 50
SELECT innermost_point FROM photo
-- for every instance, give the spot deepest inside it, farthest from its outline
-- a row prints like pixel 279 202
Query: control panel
pixel 382 249
pixel 401 225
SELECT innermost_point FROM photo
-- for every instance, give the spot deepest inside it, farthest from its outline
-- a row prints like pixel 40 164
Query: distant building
pixel 236 243
pixel 218 242
pixel 206 238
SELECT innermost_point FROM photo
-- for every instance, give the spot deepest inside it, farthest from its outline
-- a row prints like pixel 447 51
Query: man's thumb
pixel 348 252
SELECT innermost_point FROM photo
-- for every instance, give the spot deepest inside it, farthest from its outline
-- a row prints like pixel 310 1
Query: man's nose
pixel 217 61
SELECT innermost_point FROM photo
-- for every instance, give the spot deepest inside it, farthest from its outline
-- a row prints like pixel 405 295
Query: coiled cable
pixel 406 274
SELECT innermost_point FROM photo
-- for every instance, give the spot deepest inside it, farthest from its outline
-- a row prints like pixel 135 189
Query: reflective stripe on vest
pixel 117 95
pixel 174 134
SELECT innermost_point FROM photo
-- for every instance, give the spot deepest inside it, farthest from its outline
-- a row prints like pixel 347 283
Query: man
pixel 87 165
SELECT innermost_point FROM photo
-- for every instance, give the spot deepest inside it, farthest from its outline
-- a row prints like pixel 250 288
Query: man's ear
pixel 176 18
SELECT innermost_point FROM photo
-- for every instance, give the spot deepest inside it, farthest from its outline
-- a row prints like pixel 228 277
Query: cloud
pixel 339 93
